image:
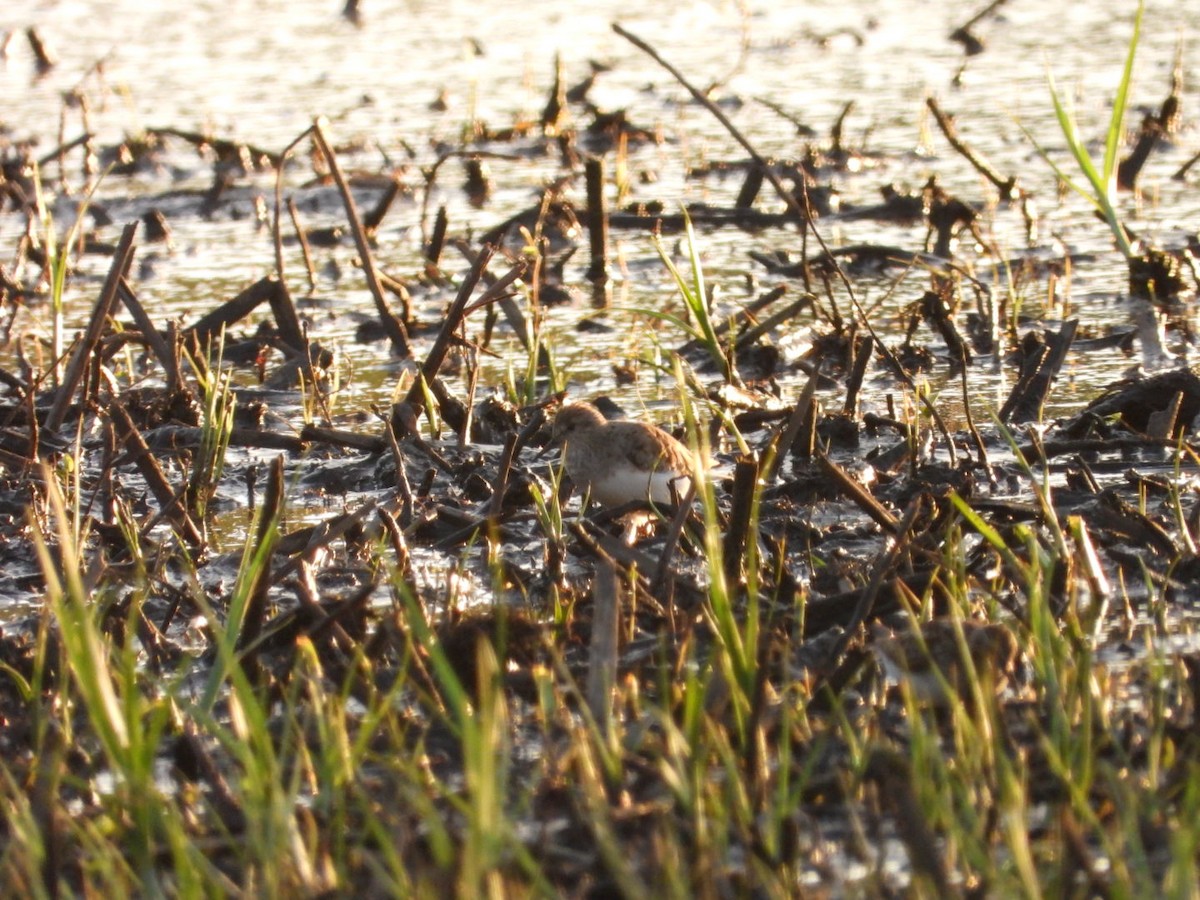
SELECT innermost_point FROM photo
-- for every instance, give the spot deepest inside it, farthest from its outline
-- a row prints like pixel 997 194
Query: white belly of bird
pixel 626 484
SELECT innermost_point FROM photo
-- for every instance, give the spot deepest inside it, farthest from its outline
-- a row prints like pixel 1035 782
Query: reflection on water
pixel 261 71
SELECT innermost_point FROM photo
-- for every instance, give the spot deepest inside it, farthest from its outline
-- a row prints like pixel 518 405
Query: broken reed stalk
pixel 802 215
pixel 749 311
pixel 150 334
pixel 455 315
pixel 597 214
pixel 857 494
pixel 402 486
pixel 750 188
pixel 602 652
pixel 512 449
pixel 305 250
pixel 203 330
pixel 374 217
pixel 45 57
pixel 291 331
pixel 395 329
pixel 1028 396
pixel 276 229
pixel 294 338
pixel 803 412
pixel 745 479
pixel 1006 186
pixel 750 336
pixel 862 348
pixel 169 501
pixel 256 605
pixel 437 241
pixel 95 329
pixel 500 485
pixel 512 311
pixel 395 536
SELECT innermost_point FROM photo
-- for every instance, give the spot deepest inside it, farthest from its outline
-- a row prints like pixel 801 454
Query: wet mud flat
pixel 277 644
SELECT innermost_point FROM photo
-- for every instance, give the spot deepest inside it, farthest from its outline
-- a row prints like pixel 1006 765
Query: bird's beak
pixel 556 444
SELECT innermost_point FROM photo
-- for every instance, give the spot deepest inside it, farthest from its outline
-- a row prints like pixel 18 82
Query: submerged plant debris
pixel 259 640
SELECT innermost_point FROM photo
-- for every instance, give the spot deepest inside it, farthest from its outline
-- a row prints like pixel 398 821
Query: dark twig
pixel 512 449
pixel 1029 394
pixel 95 329
pixel 745 480
pixel 169 500
pixel 597 217
pixel 153 338
pixel 803 411
pixel 302 237
pixel 862 348
pixel 394 327
pixel 1006 186
pixel 454 316
pixel 798 211
pixel 204 329
pixel 858 494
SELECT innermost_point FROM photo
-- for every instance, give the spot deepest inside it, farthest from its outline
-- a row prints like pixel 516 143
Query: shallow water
pixel 260 72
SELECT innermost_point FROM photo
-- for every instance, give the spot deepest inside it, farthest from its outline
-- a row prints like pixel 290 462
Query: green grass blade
pixel 1116 123
pixel 1075 143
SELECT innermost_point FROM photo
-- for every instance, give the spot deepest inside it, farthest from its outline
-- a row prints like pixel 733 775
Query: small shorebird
pixel 934 660
pixel 621 461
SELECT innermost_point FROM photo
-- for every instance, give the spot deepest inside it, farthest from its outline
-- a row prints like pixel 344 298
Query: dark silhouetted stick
pixel 745 477
pixel 207 327
pixel 169 500
pixel 374 218
pixel 46 59
pixel 433 250
pixel 95 329
pixel 456 313
pixel 863 347
pixel 1024 403
pixel 153 338
pixel 1006 186
pixel 862 498
pixel 597 214
pixel 794 206
pixel 395 329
